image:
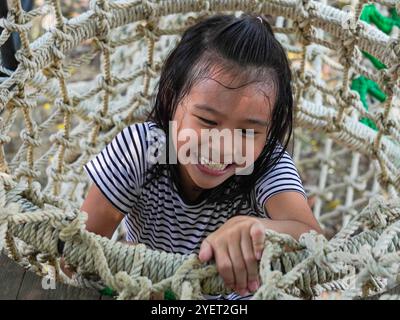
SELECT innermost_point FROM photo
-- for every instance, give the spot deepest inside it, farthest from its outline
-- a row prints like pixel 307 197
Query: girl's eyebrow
pixel 257 122
pixel 208 108
pixel 216 112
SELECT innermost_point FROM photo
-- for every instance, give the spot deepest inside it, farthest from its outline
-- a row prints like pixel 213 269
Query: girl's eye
pixel 208 122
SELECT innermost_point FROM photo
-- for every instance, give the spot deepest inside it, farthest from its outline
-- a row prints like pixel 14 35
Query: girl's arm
pixel 103 217
pixel 291 214
pixel 238 243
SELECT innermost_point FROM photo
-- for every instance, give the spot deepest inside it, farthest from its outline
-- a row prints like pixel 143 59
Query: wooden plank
pixel 32 289
pixel 11 276
pixel 18 283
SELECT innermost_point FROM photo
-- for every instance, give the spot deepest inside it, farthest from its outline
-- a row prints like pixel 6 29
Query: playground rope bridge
pixel 348 148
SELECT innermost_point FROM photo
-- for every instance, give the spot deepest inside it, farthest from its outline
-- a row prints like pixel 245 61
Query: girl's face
pixel 210 105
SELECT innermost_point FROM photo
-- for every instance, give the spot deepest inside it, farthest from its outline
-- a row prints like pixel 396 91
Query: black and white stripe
pixel 156 215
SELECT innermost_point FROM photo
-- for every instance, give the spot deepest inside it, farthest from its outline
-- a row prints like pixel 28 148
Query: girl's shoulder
pixel 141 135
pixel 145 130
pixel 283 176
pixel 119 168
pixel 146 143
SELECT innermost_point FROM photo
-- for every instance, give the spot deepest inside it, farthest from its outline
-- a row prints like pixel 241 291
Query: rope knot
pixel 4 139
pixel 59 35
pixel 101 10
pixel 386 78
pixel 394 45
pixel 105 85
pixel 148 31
pixel 372 264
pixel 346 98
pixel 21 102
pixel 59 138
pixel 104 45
pixel 148 8
pixel 25 170
pixel 301 8
pixel 272 288
pixel 317 244
pixel 5 97
pixel 34 193
pixel 382 123
pixel 23 57
pixel 303 79
pixel 8 181
pixel 10 25
pixel 74 227
pixel 98 119
pixel 395 75
pixel 185 283
pixel 274 278
pixel 5 216
pixel 377 211
pixel 63 106
pixel 303 20
pixel 137 288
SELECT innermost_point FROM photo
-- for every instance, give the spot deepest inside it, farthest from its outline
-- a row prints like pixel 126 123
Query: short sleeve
pixel 282 177
pixel 119 168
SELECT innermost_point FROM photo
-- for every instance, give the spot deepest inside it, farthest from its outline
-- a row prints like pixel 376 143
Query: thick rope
pixel 136 272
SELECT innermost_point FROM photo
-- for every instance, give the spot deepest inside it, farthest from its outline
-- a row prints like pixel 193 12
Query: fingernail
pixel 253 285
pixel 258 255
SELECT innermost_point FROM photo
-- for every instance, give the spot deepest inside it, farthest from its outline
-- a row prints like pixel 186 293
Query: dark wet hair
pixel 246 47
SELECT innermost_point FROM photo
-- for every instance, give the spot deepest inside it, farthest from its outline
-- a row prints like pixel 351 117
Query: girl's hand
pixel 236 246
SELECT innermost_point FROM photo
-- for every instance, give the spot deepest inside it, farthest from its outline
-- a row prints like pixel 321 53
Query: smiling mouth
pixel 211 168
pixel 212 165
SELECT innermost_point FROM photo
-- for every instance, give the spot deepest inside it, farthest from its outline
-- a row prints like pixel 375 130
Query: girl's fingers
pixel 250 261
pixel 206 251
pixel 239 267
pixel 224 265
pixel 257 235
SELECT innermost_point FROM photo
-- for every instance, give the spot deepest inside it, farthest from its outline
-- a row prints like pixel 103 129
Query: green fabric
pixel 169 295
pixel 370 14
pixel 365 86
pixel 108 292
pixel 362 85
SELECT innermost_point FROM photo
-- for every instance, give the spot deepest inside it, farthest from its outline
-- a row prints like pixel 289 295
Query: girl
pixel 227 74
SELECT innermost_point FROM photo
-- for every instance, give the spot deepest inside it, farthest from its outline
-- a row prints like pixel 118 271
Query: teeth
pixel 212 165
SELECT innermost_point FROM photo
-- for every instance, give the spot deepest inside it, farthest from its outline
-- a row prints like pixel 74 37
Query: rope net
pixel 345 63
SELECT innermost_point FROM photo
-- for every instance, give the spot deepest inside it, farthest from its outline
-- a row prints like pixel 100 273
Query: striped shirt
pixel 155 214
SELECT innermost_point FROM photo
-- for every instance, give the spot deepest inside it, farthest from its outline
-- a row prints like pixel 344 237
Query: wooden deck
pixel 20 284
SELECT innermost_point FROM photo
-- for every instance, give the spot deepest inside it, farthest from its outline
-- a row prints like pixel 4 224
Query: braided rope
pixel 137 272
